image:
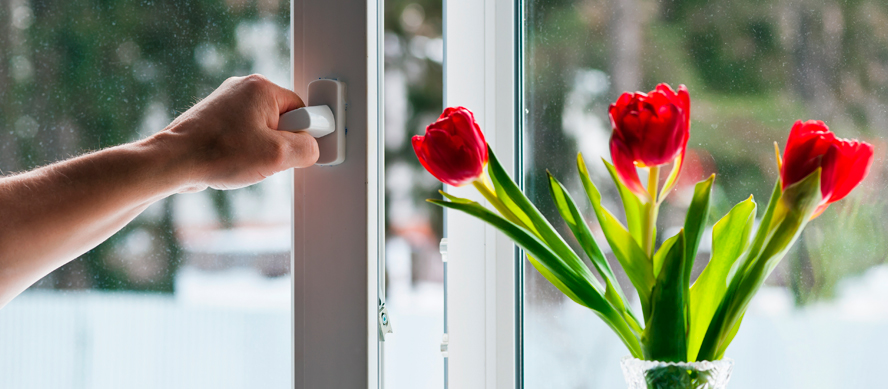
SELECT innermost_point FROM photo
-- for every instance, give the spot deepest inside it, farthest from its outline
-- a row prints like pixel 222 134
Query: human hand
pixel 229 140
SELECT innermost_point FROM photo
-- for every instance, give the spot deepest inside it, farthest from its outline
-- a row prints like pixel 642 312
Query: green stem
pixel 482 186
pixel 625 332
pixel 650 219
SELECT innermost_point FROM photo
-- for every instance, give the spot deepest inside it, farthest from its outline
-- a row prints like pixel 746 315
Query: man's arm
pixel 229 140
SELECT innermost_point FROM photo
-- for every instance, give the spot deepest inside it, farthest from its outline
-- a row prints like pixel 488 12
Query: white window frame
pixel 481 70
pixel 338 210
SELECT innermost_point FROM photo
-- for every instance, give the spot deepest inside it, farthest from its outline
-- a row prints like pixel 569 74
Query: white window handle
pixel 317 121
pixel 324 119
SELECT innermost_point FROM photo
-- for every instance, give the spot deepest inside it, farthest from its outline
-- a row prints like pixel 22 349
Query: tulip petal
pixel 652 128
pixel 845 165
pixel 811 145
pixel 626 168
pixel 453 148
pixel 807 143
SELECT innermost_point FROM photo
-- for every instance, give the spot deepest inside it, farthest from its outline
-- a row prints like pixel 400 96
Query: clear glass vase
pixel 642 374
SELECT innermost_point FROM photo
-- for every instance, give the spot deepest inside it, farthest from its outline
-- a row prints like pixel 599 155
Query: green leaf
pixel 635 262
pixel 695 224
pixel 511 195
pixel 632 205
pixel 553 278
pixel 660 255
pixel 730 237
pixel 574 284
pixel 455 199
pixel 791 213
pixel 762 234
pixel 499 188
pixel 577 224
pixel 664 336
pixel 729 338
pixel 672 179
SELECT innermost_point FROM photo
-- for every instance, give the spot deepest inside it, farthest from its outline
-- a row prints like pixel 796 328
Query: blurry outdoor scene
pixel 752 68
pixel 196 291
pixel 414 53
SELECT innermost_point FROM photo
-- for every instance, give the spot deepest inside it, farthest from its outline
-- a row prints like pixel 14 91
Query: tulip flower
pixel 453 148
pixel 649 130
pixel 812 145
pixel 679 321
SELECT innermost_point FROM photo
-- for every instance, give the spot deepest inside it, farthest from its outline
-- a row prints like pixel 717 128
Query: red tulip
pixel 812 145
pixel 649 130
pixel 453 148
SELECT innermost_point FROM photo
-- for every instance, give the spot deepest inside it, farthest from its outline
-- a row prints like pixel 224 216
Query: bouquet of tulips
pixel 679 321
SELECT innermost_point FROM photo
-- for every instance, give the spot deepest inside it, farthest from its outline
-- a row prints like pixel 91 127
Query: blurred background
pixel 196 291
pixel 414 53
pixel 753 68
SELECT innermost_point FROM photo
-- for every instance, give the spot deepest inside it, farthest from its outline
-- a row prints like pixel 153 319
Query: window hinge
pixel 445 341
pixel 442 248
pixel 385 324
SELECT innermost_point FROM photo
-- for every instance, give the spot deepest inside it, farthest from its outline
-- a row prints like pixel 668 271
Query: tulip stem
pixel 650 220
pixel 482 185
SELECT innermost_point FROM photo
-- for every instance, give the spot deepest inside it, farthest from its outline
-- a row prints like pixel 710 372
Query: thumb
pixel 301 149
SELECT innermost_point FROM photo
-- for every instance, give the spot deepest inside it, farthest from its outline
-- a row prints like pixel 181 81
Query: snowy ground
pixel 831 345
pixel 197 339
pixel 230 329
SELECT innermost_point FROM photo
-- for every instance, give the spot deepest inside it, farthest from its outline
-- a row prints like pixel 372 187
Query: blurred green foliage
pixel 408 27
pixel 843 244
pixel 753 67
pixel 80 75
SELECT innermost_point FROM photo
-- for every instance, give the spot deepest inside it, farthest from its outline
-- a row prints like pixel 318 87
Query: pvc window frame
pixel 482 71
pixel 338 210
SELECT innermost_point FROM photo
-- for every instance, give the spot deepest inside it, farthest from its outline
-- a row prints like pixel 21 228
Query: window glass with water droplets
pixel 195 292
pixel 752 68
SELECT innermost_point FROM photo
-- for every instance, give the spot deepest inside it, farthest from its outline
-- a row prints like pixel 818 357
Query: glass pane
pixel 196 291
pixel 752 68
pixel 414 271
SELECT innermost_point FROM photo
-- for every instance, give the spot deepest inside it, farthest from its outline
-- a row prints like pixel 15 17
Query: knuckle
pixel 232 80
pixel 253 83
pixel 256 80
pixel 256 77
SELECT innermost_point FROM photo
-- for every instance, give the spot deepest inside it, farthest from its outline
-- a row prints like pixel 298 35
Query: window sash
pixel 338 210
pixel 482 73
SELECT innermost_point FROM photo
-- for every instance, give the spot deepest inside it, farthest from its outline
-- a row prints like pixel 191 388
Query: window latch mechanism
pixel 385 324
pixel 323 118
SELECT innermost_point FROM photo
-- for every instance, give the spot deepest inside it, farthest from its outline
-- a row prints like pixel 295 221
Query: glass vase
pixel 642 374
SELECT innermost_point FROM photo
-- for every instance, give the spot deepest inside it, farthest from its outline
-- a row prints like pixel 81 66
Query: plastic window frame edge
pixel 326 35
pixel 482 71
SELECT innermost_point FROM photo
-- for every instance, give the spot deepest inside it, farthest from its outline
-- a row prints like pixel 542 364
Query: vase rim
pixel 647 364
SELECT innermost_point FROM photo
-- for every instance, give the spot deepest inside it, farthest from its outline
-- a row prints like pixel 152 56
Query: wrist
pixel 174 167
